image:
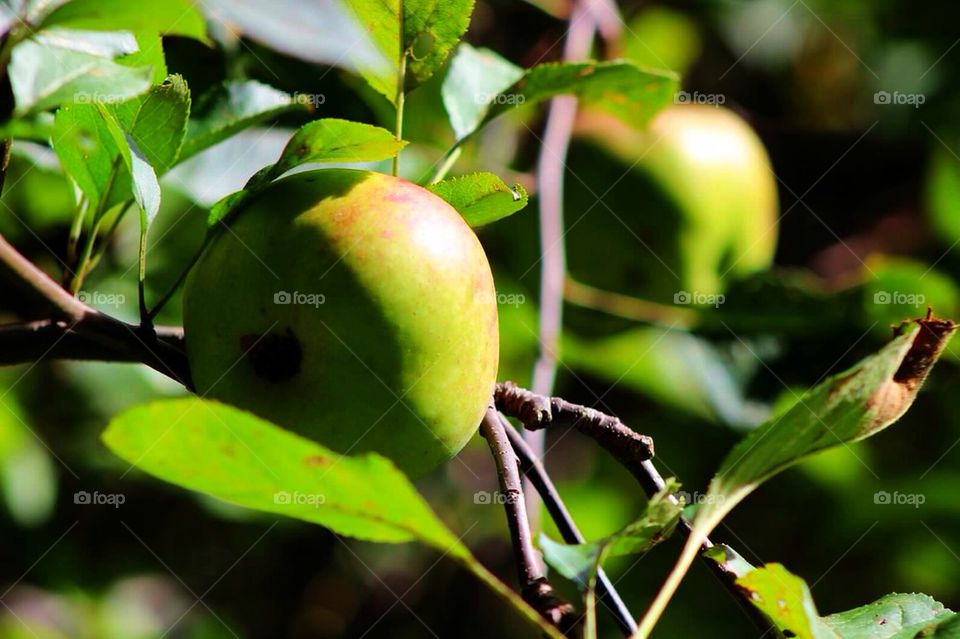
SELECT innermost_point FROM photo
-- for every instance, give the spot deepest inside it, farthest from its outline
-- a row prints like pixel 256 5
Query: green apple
pixel 687 204
pixel 352 307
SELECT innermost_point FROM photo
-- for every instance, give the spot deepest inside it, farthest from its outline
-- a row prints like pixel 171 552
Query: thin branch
pixel 96 337
pixel 73 330
pixel 537 412
pixel 534 587
pixel 632 450
pixel 551 166
pixel 534 471
pixel 45 294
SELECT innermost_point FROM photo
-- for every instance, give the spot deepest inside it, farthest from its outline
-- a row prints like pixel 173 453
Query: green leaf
pixel 381 21
pixel 149 53
pixel 231 455
pixel 104 44
pixel 420 33
pixel 157 121
pixel 43 77
pixel 90 156
pixel 334 140
pixel 786 600
pixel 326 140
pixel 143 183
pixel 230 108
pixel 579 562
pixel 332 36
pixel 234 456
pixel 632 93
pixel 481 198
pixel 475 77
pixel 170 17
pixel 225 206
pixel 431 29
pixel 895 616
pixel 847 407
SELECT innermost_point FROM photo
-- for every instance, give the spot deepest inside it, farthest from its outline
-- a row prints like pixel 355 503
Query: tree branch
pixel 534 587
pixel 537 412
pixel 534 471
pixel 632 450
pixel 73 330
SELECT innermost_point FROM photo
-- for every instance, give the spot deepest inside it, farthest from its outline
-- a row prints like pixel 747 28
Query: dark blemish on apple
pixel 275 357
pixel 316 460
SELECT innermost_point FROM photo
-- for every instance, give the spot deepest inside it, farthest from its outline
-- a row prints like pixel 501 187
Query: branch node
pixel 542 597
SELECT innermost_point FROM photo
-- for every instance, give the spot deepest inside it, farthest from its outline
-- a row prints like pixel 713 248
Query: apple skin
pixel 700 194
pixel 401 355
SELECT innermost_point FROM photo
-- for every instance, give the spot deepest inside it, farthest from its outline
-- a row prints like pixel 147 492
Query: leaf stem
pixel 449 159
pixel 398 130
pixel 146 322
pixel 73 239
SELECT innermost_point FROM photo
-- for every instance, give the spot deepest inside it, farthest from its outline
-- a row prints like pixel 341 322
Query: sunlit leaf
pixel 171 17
pixel 420 32
pixel 43 77
pixel 334 140
pixel 481 198
pixel 229 454
pixel 475 77
pixel 632 93
pixel 847 407
pixel 157 121
pixel 786 600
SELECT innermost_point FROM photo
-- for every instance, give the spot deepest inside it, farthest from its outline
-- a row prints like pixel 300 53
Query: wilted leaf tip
pixel 929 342
pixel 894 397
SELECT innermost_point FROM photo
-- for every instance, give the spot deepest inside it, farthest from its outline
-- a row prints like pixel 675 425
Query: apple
pixel 354 308
pixel 688 203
